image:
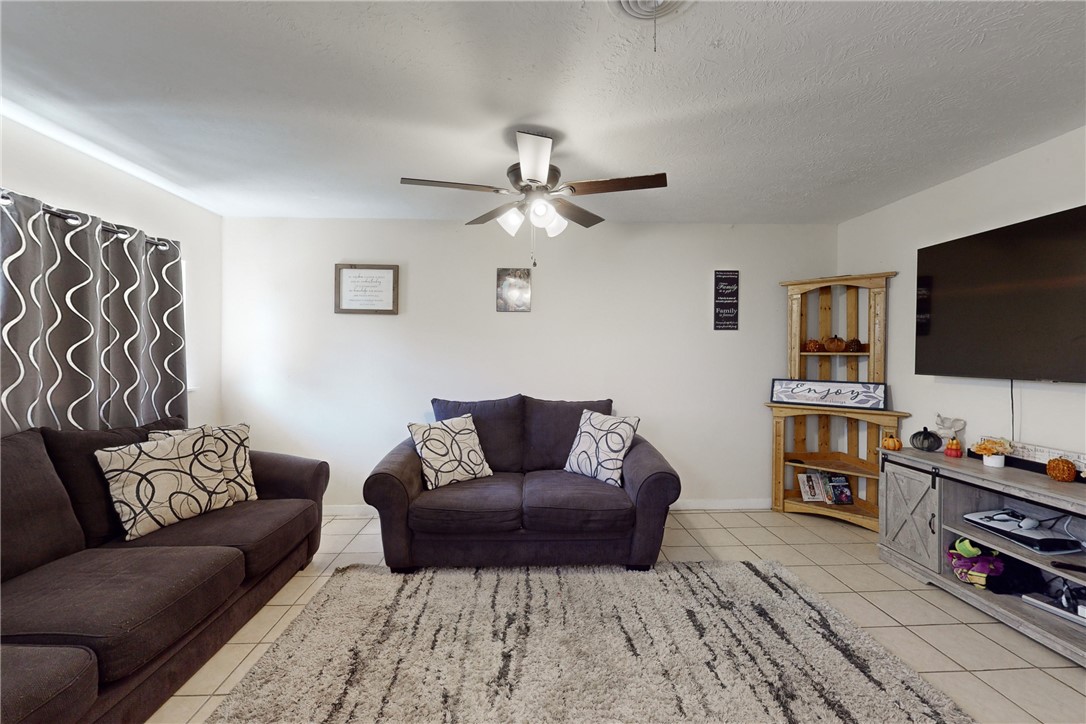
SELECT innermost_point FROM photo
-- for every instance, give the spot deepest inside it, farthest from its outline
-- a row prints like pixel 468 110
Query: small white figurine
pixel 948 427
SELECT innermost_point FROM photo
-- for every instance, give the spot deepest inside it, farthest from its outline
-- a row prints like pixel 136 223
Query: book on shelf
pixel 827 492
pixel 840 491
pixel 810 487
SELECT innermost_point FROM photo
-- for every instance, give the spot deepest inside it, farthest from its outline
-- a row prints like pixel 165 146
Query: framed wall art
pixel 857 395
pixel 367 289
pixel 726 299
pixel 514 290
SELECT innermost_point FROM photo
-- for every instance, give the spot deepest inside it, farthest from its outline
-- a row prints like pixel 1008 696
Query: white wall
pixel 1042 180
pixel 620 311
pixel 34 165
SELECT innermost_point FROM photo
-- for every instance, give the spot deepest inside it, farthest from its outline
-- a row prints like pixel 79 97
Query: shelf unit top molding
pixel 866 281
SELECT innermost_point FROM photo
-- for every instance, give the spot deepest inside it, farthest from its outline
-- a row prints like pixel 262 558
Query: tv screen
pixel 1005 304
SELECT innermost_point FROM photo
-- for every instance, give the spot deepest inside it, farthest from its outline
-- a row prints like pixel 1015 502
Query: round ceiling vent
pixel 647 10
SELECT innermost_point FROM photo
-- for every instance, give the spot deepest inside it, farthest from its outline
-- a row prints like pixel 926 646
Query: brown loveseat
pixel 530 511
pixel 94 628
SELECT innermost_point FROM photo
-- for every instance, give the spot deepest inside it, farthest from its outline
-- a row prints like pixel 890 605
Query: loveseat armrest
pixel 277 475
pixel 653 485
pixel 393 484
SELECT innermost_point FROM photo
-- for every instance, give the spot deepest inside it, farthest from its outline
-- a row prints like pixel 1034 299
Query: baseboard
pixel 350 511
pixel 722 504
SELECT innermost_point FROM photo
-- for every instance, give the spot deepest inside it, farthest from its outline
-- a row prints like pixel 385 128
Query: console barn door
pixel 910 507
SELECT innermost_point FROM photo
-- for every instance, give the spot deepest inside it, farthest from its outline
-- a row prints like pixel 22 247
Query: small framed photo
pixel 367 289
pixel 514 290
pixel 819 393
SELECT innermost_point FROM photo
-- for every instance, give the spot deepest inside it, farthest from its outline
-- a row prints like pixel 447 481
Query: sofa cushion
pixel 263 530
pixel 46 683
pixel 555 500
pixel 161 482
pixel 474 506
pixel 601 445
pixel 550 427
pixel 37 523
pixel 127 606
pixel 450 451
pixel 500 424
pixel 232 447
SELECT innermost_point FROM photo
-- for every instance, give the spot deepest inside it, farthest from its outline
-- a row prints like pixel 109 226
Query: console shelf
pixel 926 496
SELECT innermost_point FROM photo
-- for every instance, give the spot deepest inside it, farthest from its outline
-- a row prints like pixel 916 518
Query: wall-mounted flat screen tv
pixel 1009 303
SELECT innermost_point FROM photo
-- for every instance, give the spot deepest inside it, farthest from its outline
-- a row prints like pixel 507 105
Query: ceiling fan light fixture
pixel 511 221
pixel 542 214
pixel 535 157
pixel 557 226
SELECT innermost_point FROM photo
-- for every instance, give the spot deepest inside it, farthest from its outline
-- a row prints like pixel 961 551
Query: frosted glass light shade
pixel 557 226
pixel 511 221
pixel 542 214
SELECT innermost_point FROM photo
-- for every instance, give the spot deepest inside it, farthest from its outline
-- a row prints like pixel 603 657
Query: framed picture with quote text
pixel 367 289
pixel 827 393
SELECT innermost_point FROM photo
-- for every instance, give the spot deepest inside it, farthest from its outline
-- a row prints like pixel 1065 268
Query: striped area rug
pixel 721 642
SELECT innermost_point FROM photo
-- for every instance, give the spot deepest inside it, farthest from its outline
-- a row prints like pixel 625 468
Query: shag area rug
pixel 721 642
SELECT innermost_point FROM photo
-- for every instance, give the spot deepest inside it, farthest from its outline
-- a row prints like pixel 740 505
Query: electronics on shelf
pixel 1024 530
pixel 1046 603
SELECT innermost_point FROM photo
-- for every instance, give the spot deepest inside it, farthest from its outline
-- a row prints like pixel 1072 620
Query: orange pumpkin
pixel 1061 469
pixel 835 344
pixel 891 442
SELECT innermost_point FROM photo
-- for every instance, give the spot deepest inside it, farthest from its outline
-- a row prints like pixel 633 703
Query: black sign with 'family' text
pixel 726 300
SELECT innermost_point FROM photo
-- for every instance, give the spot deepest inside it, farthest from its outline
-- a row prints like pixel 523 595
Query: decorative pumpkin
pixel 813 345
pixel 1061 469
pixel 926 440
pixel 891 442
pixel 953 448
pixel 835 344
pixel 853 345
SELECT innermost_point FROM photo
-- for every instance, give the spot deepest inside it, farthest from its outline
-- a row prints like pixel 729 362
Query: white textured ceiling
pixel 758 112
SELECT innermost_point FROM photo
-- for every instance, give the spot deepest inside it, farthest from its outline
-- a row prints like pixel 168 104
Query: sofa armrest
pixel 393 484
pixel 653 485
pixel 288 476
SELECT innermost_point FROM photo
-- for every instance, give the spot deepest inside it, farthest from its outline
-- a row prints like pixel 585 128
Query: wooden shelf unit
pixel 928 493
pixel 804 436
pixel 790 459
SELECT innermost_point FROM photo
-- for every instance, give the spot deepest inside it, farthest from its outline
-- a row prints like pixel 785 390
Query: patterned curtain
pixel 93 331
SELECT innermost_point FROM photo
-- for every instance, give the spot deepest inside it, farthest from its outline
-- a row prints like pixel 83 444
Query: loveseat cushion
pixel 555 500
pixel 37 523
pixel 263 530
pixel 72 453
pixel 46 683
pixel 500 424
pixel 127 606
pixel 550 427
pixel 473 506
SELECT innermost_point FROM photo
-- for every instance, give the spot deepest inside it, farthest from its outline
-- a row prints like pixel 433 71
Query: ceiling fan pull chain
pixel 533 248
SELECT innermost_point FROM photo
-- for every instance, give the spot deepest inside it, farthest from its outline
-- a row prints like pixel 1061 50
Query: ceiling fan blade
pixel 454 185
pixel 495 213
pixel 608 185
pixel 535 157
pixel 575 213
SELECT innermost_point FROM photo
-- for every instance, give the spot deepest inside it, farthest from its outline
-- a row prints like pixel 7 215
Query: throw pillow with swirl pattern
pixel 161 482
pixel 450 451
pixel 232 446
pixel 601 445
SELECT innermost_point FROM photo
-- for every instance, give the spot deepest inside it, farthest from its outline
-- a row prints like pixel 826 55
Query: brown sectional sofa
pixel 94 628
pixel 530 511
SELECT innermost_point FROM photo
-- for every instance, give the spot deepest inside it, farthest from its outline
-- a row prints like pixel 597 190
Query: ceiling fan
pixel 544 202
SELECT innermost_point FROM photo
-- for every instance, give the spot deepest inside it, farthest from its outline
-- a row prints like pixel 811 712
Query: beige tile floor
pixel 995 673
